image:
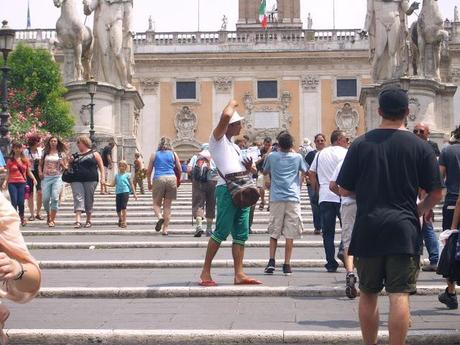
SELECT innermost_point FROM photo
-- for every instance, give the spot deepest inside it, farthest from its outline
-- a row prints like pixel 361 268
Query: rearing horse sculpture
pixel 73 34
pixel 427 35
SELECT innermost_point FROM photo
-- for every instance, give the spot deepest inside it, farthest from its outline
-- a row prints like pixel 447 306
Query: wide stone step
pixel 68 230
pixel 162 245
pixel 160 277
pixel 218 291
pixel 136 264
pixel 212 337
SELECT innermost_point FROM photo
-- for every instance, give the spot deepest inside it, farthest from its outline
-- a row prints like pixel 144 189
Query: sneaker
pixel 430 268
pixel 317 232
pixel 270 267
pixel 350 289
pixel 449 300
pixel 341 257
pixel 198 231
pixel 287 270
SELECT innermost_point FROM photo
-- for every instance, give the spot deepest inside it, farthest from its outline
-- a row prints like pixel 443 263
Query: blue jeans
pixel 17 191
pixel 329 213
pixel 51 189
pixel 431 242
pixel 314 209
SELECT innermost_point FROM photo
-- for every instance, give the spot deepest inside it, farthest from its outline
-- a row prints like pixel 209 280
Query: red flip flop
pixel 207 283
pixel 249 281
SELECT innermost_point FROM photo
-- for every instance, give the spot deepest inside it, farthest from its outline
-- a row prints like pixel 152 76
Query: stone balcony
pixel 152 42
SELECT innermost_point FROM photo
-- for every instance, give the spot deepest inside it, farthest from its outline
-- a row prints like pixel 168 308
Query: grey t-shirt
pixel 450 159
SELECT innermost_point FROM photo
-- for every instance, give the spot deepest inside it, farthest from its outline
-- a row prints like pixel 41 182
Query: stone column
pixel 242 11
pixel 455 73
pixel 222 94
pixel 310 112
pixel 253 12
pixel 69 72
pixel 287 10
pixel 150 117
pixel 296 15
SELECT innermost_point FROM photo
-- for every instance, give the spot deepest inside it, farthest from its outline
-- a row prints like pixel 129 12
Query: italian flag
pixel 263 19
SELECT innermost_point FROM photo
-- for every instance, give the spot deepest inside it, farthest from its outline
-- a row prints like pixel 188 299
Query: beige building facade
pixel 304 80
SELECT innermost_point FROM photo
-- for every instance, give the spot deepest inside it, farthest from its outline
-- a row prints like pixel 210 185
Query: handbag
pixel 242 188
pixel 315 196
pixel 70 174
pixel 177 172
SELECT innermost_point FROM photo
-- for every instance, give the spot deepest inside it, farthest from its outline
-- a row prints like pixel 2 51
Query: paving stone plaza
pixel 100 281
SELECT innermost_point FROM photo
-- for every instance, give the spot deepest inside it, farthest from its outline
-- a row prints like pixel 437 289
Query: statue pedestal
pixel 116 116
pixel 430 101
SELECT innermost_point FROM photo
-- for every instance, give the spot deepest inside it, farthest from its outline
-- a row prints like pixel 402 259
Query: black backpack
pixel 201 170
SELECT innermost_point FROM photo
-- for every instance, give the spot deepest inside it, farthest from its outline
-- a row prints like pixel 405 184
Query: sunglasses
pixel 421 131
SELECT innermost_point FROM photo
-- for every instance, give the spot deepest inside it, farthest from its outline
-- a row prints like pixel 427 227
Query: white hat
pixel 235 118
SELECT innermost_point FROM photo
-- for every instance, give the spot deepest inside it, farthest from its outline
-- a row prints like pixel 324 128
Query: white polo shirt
pixel 324 168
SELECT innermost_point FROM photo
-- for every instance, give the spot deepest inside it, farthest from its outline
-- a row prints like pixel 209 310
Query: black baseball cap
pixel 393 101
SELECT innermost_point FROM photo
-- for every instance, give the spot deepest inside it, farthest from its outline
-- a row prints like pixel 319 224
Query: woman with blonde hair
pixel 164 183
pixel 85 164
pixel 19 271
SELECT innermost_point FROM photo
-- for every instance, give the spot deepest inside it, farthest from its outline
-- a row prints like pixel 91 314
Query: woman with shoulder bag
pixel 86 165
pixel 52 165
pixel 165 182
pixel 17 171
pixel 34 154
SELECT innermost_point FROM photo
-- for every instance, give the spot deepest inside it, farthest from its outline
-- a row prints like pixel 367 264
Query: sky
pixel 182 15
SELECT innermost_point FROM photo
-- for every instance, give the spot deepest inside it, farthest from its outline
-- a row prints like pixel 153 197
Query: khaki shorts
pixel 164 187
pixel 397 273
pixel 285 219
pixel 260 181
pixel 204 194
pixel 348 214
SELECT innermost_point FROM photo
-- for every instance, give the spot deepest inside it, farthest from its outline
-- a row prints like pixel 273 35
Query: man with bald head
pixel 429 237
pixel 423 132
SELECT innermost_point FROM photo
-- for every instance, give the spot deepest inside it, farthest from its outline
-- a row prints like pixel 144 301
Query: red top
pixel 17 171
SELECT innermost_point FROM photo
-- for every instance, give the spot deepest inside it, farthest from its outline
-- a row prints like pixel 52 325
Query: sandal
pixel 39 217
pixel 51 224
pixel 77 225
pixel 159 224
pixel 23 222
pixel 261 206
pixel 31 218
pixel 88 225
pixel 123 225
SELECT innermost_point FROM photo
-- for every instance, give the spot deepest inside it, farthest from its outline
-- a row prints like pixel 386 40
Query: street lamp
pixel 6 46
pixel 92 87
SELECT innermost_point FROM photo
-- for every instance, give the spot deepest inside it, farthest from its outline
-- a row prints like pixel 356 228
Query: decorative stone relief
pixel 310 83
pixel 454 75
pixel 137 118
pixel 414 108
pixel 347 120
pixel 253 110
pixel 223 84
pixel 186 123
pixel 150 85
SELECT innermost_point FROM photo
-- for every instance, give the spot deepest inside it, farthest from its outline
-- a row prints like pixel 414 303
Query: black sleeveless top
pixel 85 167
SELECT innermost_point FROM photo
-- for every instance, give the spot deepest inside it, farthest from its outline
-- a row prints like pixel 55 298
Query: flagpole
pixel 333 14
pixel 198 15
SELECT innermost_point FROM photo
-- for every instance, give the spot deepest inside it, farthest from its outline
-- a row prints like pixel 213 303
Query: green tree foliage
pixel 37 85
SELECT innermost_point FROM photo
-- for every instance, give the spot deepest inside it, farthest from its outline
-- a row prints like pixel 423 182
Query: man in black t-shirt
pixel 384 169
pixel 108 164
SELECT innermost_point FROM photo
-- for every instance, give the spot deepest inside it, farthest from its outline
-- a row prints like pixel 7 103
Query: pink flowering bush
pixel 26 118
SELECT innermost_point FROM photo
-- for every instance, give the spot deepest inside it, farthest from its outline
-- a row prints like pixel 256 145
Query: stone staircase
pixel 108 285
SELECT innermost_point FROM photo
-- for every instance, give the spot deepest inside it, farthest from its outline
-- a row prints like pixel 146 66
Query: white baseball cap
pixel 236 118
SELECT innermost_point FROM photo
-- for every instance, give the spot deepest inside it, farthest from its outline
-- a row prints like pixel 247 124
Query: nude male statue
pixel 386 23
pixel 113 31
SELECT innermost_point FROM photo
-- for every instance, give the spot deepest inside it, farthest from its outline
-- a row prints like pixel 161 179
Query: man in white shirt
pixel 230 219
pixel 348 213
pixel 321 170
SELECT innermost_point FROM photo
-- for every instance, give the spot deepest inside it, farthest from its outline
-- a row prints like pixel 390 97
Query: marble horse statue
pixel 72 34
pixel 427 35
